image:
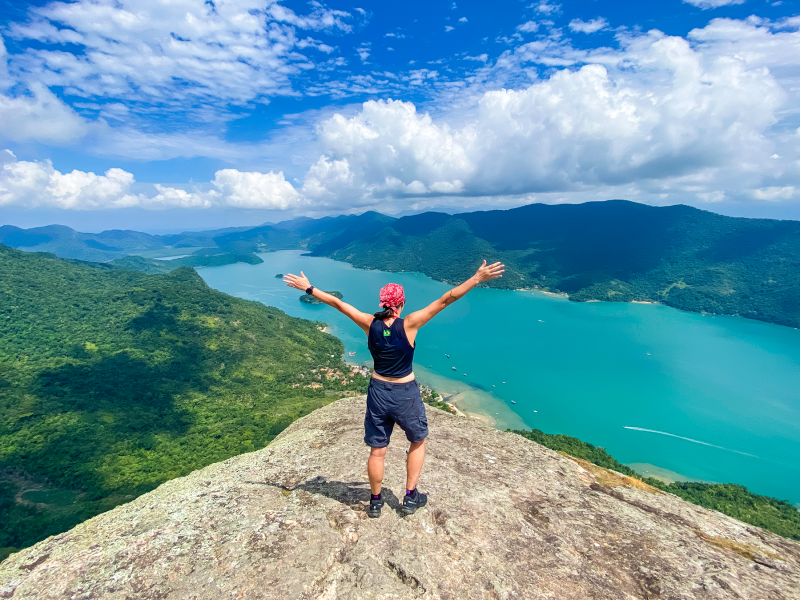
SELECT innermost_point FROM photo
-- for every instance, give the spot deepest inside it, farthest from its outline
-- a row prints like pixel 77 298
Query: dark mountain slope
pixel 616 250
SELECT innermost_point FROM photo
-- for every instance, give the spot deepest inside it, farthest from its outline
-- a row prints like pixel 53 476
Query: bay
pixel 706 398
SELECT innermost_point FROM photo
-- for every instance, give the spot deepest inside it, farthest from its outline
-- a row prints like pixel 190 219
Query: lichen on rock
pixel 506 518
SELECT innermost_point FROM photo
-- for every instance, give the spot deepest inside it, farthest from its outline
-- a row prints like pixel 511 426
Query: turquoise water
pixel 728 388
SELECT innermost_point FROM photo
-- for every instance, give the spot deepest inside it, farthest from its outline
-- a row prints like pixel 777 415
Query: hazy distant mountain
pixel 68 243
pixel 107 245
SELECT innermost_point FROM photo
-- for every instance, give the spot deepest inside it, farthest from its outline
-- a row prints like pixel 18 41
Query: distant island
pixel 311 300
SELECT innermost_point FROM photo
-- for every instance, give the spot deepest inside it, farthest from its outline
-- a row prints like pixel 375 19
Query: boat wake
pixel 680 437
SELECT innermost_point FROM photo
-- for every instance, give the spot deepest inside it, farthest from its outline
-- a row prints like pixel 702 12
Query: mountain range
pixel 615 250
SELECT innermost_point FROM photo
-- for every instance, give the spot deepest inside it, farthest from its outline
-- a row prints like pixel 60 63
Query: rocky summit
pixel 506 518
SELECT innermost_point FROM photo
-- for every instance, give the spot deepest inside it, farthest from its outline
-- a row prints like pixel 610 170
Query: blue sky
pixel 161 115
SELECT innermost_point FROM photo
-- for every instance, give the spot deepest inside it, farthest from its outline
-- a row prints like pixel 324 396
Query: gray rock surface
pixel 507 518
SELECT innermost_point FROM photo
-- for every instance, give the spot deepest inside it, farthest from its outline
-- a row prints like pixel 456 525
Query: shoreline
pixel 664 475
pixel 306 252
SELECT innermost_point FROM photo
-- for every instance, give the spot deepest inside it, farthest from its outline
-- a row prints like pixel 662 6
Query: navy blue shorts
pixel 390 403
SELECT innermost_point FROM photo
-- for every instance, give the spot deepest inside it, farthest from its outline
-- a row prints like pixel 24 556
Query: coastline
pixel 471 401
pixel 656 472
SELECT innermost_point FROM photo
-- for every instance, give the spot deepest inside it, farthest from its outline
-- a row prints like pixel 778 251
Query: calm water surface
pixel 711 398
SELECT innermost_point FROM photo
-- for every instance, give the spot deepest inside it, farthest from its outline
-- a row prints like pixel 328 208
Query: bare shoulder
pixel 415 320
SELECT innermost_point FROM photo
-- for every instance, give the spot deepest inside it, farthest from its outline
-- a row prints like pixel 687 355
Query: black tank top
pixel 392 354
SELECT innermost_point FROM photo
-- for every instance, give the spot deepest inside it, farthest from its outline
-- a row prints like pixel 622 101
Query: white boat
pixel 464 374
pixel 504 382
pixel 513 402
pixel 454 369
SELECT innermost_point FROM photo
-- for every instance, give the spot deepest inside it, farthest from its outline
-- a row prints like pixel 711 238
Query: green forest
pixel 614 251
pixel 778 516
pixel 114 381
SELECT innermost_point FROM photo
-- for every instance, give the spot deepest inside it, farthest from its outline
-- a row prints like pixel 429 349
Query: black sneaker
pixel 375 506
pixel 413 501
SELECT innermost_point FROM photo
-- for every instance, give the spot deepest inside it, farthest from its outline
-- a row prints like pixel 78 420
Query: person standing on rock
pixel 393 395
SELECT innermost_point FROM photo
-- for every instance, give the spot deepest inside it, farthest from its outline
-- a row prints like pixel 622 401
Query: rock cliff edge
pixel 507 518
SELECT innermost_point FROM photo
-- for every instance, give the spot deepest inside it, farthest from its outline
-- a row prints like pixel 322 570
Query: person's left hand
pixel 301 282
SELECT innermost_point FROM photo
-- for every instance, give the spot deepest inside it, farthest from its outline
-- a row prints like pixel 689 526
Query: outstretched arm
pixel 484 273
pixel 301 282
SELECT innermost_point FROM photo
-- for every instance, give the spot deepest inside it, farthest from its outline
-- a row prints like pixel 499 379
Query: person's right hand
pixel 486 272
pixel 301 282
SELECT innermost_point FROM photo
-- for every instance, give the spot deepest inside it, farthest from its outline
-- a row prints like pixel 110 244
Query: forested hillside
pixel 616 251
pixel 114 381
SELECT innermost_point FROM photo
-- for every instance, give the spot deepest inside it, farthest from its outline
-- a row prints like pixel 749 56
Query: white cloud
pixel 256 190
pixel 706 4
pixel 39 116
pixel 462 20
pixel 189 54
pixel 38 184
pixel 363 51
pixel 448 28
pixel 659 118
pixel 529 27
pixel 391 149
pixel 710 197
pixel 577 25
pixel 327 180
pixel 705 118
pixel 774 193
pixel 34 184
pixel 545 8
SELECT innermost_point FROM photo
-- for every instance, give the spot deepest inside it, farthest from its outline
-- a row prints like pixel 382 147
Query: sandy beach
pixel 665 475
pixel 476 404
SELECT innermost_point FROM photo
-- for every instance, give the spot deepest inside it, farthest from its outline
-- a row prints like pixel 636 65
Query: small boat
pixel 430 366
pixel 454 369
pixel 493 385
pixel 464 374
pixel 513 402
pixel 536 411
pixel 351 354
pixel 447 355
pixel 540 321
pixel 504 382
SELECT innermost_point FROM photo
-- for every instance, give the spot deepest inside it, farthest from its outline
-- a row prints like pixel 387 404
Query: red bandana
pixel 392 296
